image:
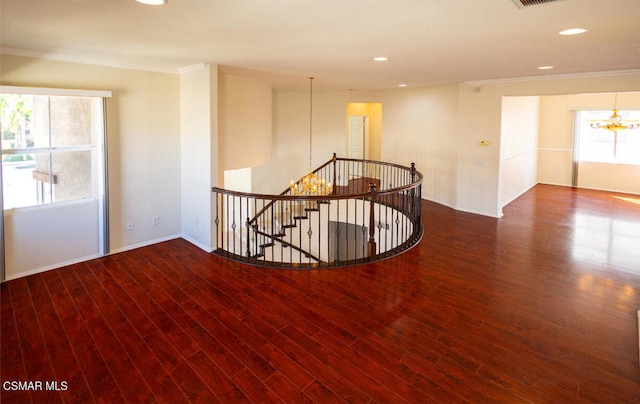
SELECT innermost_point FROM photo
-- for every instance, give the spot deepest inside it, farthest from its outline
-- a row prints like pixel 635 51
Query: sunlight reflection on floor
pixel 606 240
pixel 629 199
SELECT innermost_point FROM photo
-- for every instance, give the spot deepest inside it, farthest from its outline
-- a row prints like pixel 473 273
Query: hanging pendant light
pixel 311 184
pixel 615 122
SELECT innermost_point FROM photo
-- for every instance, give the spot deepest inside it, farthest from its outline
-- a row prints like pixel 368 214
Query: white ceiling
pixel 428 41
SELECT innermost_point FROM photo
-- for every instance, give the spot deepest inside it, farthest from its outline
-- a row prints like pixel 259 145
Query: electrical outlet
pixel 155 220
pixel 129 226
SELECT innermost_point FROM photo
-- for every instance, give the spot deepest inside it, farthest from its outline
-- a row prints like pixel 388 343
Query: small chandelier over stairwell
pixel 311 184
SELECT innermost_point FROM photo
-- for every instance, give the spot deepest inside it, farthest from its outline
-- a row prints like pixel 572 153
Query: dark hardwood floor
pixel 538 306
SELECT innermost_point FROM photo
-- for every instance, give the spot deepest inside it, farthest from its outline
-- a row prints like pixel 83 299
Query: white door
pixel 357 143
pixel 53 179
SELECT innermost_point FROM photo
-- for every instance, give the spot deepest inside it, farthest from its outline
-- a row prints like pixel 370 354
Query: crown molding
pixel 81 59
pixel 192 68
pixel 554 77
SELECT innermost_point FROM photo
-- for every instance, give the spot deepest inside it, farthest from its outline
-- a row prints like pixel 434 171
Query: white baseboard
pixel 518 195
pixel 474 212
pixel 50 267
pixel 114 251
pixel 558 184
pixel 144 244
pixel 462 210
pixel 197 243
pixel 616 191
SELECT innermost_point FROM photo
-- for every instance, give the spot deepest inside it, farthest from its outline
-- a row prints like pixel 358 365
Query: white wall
pixel 290 158
pixel 238 180
pixel 245 122
pixel 610 177
pixel 519 146
pixel 199 150
pixel 555 140
pixel 418 125
pixel 49 237
pixel 421 126
pixel 143 125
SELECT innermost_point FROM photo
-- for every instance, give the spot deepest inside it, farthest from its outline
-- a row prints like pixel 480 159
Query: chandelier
pixel 311 184
pixel 615 122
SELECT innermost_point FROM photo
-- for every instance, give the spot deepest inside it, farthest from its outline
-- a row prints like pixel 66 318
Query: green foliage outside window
pixel 15 119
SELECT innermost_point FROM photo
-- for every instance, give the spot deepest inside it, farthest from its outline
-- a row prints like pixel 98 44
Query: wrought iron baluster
pixel 394 209
pixel 372 222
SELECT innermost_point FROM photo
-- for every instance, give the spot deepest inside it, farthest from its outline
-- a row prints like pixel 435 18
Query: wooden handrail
pixel 361 180
pixel 284 196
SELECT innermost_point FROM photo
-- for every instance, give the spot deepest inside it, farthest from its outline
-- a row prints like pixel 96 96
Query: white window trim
pixel 55 91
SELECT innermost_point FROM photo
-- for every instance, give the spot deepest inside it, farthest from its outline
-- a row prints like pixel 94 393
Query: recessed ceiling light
pixel 381 59
pixel 402 85
pixel 573 31
pixel 153 2
pixel 545 67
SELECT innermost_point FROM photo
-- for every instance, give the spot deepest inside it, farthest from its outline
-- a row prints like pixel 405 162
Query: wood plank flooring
pixel 538 306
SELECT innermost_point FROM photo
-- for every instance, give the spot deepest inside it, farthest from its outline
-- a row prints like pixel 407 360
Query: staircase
pixel 284 236
pixel 372 213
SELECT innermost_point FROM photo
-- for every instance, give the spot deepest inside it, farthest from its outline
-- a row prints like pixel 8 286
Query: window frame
pixel 99 147
pixel 582 123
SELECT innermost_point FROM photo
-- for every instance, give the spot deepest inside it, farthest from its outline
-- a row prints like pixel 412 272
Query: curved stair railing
pixel 372 213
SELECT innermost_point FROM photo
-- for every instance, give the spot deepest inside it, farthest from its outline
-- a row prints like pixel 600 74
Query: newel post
pixel 372 221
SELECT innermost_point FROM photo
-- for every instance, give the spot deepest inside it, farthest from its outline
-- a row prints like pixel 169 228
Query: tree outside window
pixel 47 148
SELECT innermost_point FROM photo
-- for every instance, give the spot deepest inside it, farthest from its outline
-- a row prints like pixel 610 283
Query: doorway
pixel 364 130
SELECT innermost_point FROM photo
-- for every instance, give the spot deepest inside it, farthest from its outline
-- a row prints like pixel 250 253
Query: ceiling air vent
pixel 527 3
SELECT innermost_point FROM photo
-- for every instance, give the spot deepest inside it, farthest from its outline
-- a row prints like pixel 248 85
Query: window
pixel 604 146
pixel 50 148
